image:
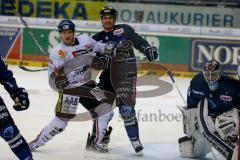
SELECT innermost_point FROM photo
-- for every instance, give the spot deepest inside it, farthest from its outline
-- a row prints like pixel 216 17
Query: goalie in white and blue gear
pixel 211 116
pixel 8 129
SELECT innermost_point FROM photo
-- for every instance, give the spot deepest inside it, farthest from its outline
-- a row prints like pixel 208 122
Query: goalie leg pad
pixel 189 121
pixel 186 147
pixel 193 148
pixel 56 126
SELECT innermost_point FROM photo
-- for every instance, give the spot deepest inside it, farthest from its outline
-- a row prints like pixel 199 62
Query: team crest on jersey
pixel 79 52
pixel 118 31
pixel 62 53
pixel 226 98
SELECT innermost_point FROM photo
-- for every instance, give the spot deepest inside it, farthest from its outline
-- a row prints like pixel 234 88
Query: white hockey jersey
pixel 75 60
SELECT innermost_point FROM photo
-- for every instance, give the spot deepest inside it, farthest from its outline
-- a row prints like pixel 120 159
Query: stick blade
pixel 32 70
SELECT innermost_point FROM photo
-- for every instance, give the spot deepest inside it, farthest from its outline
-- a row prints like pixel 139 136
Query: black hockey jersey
pixel 119 33
pixel 123 32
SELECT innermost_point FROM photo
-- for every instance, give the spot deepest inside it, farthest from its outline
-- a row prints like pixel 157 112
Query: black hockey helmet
pixel 66 24
pixel 212 73
pixel 108 10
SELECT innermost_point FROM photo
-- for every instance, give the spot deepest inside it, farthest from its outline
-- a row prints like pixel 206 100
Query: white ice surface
pixel 158 136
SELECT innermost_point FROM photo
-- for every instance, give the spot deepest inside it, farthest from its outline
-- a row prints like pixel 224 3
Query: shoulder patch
pixel 62 53
pixel 118 31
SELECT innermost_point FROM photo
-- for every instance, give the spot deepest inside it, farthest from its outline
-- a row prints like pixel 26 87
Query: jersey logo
pixel 80 70
pixel 62 53
pixel 226 98
pixel 118 31
pixel 79 52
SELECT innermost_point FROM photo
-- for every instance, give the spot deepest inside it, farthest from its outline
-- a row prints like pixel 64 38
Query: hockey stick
pixel 31 70
pixel 32 36
pixel 170 74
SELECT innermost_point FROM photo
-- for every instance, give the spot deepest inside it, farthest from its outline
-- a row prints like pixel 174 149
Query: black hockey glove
pixel 151 53
pixel 61 81
pixel 20 97
pixel 106 61
pixel 125 45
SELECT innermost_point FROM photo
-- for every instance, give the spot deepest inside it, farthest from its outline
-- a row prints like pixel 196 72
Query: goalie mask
pixel 212 73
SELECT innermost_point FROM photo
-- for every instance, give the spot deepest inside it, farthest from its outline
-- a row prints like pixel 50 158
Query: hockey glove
pixel 151 53
pixel 61 81
pixel 110 48
pixel 20 97
pixel 105 61
pixel 125 45
pixel 227 125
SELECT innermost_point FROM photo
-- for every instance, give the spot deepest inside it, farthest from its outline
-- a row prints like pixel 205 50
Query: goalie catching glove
pixel 20 97
pixel 227 125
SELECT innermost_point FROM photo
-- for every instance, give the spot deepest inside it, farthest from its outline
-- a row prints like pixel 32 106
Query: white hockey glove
pixel 227 125
pixel 189 121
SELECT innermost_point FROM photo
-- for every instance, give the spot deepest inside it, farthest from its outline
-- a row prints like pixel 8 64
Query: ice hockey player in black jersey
pixel 118 33
pixel 8 130
pixel 211 115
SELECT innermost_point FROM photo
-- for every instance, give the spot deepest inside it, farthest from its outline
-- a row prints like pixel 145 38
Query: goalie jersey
pixel 226 97
pixel 75 60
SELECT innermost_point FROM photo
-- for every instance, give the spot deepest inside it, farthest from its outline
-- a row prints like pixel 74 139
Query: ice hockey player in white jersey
pixel 69 70
pixel 211 117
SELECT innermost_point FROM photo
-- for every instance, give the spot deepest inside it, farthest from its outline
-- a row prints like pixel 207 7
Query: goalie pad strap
pixel 225 147
pixel 186 147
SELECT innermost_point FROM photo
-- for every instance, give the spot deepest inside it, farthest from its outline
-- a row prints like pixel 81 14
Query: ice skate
pixel 137 146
